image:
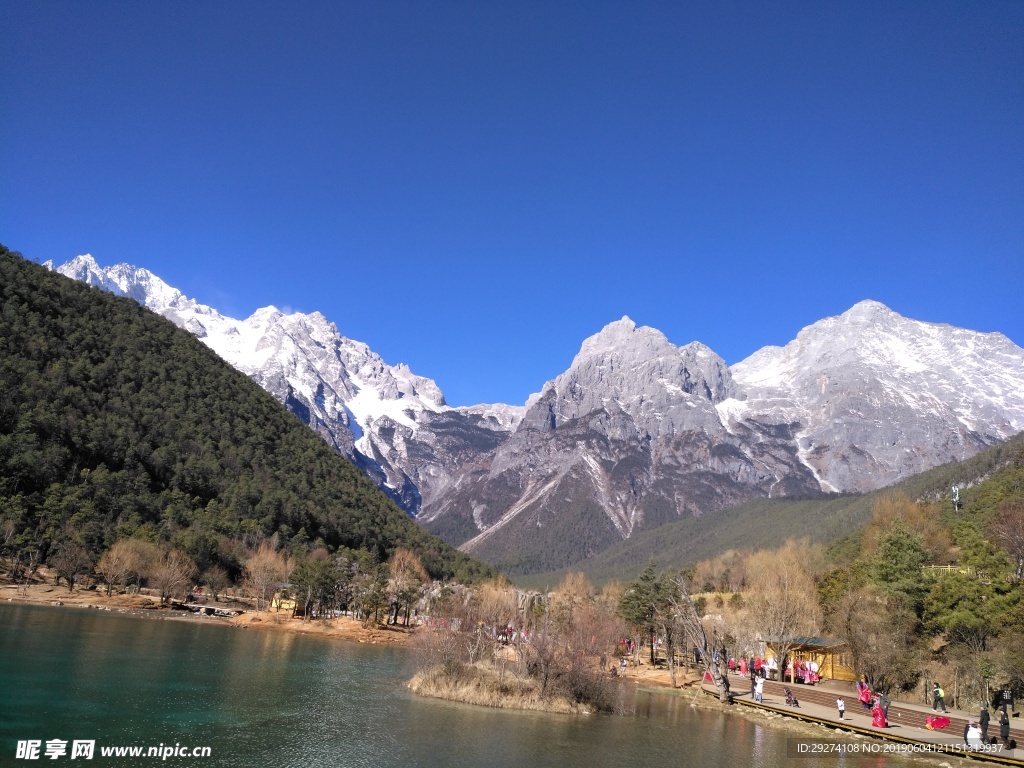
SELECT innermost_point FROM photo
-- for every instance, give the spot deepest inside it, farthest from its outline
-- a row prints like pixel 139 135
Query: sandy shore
pixel 48 594
pixel 343 628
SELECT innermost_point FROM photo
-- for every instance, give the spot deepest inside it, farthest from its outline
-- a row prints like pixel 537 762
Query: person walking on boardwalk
pixel 841 705
pixel 759 690
pixel 1004 729
pixel 938 699
pixel 878 718
pixel 983 720
pixel 864 694
pixel 884 701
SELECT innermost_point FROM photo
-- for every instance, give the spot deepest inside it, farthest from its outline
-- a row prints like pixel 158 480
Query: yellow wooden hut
pixel 832 656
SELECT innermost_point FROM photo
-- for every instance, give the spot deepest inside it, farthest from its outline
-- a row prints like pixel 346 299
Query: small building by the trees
pixel 833 657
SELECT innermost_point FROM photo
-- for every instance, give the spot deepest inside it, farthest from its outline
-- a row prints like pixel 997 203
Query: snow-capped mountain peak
pixel 897 389
pixel 663 388
pixel 85 269
pixel 625 339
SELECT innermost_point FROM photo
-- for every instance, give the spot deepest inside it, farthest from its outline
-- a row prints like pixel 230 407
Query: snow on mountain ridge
pixel 250 343
pixel 896 349
pixel 908 379
pixel 496 415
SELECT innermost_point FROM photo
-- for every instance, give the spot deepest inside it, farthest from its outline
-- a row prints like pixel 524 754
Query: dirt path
pixel 658 676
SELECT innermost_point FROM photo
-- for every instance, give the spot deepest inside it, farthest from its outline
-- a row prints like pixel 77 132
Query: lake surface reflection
pixel 260 698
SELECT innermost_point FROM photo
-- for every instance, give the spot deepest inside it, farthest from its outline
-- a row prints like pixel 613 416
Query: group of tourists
pixel 976 731
pixel 195 595
pixel 875 704
pixel 805 672
pixel 754 667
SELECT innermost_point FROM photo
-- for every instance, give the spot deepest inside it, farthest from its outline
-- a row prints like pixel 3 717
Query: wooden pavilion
pixel 832 656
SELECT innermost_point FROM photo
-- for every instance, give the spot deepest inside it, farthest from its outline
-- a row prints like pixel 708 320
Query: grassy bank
pixel 485 686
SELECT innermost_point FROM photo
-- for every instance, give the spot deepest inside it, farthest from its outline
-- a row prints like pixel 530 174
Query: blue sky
pixel 473 188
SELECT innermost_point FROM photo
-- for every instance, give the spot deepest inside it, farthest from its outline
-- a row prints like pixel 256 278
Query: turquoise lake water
pixel 259 698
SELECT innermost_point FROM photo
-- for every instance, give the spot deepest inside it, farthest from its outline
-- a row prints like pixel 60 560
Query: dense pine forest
pixel 115 424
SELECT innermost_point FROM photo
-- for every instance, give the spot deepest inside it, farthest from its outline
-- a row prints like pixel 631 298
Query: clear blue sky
pixel 472 188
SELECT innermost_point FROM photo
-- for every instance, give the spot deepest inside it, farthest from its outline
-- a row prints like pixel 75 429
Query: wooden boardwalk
pixel 906 721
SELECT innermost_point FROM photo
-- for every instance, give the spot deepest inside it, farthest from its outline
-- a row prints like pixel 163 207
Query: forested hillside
pixel 115 424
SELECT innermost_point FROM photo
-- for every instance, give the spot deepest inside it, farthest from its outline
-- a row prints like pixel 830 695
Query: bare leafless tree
pixel 406 575
pixel 7 530
pixel 440 645
pixel 126 559
pixel 172 573
pixel 881 634
pixel 782 599
pixel 691 632
pixel 498 610
pixel 69 561
pixel 216 580
pixel 262 571
pixel 1008 530
pixel 542 650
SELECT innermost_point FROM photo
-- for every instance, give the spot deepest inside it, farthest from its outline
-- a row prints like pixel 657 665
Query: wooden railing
pixel 965 570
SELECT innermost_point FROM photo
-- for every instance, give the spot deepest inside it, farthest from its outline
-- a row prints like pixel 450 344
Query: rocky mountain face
pixel 637 432
pixel 629 437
